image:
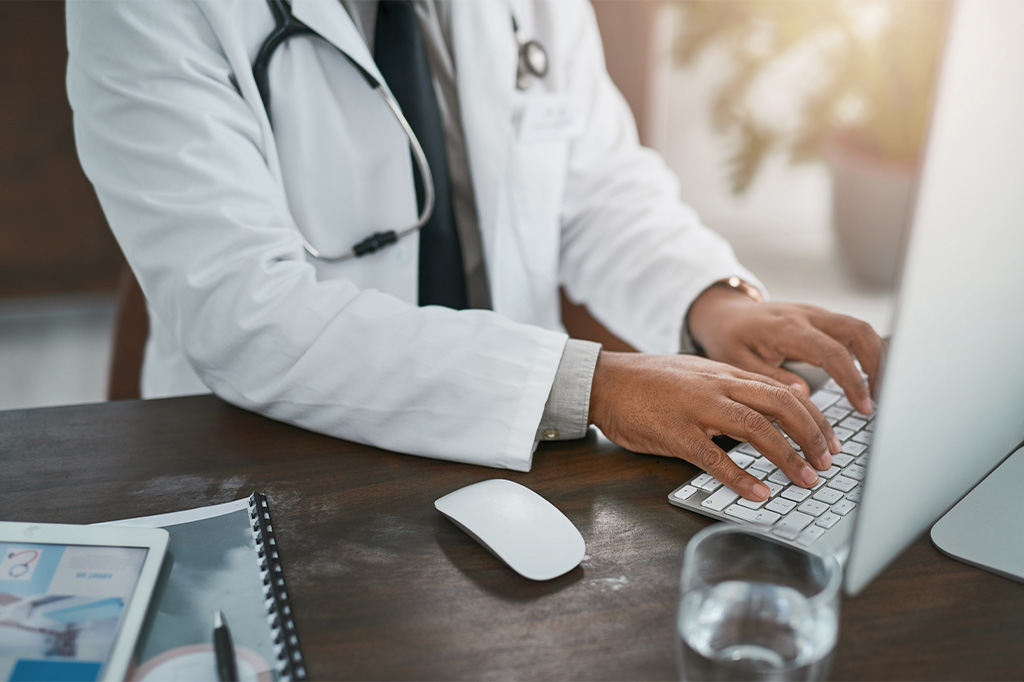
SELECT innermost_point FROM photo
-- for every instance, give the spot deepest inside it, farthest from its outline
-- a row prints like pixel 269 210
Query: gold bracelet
pixel 737 284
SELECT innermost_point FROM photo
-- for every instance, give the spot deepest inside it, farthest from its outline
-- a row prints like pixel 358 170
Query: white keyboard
pixel 799 515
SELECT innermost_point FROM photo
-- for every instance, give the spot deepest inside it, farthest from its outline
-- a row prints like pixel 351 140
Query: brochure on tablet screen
pixel 61 607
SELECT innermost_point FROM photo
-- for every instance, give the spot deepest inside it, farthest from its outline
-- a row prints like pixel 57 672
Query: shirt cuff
pixel 568 407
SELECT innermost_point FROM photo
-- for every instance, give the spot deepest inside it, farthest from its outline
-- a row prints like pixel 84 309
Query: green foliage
pixel 877 60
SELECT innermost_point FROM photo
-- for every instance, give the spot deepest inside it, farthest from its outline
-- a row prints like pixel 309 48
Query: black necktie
pixel 399 53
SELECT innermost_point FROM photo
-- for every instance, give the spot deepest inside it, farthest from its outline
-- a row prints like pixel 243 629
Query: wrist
pixel 602 384
pixel 706 313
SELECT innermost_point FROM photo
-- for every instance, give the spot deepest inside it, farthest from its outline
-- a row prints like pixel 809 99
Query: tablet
pixel 73 598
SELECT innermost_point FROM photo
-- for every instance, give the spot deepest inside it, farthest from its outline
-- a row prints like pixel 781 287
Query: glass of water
pixel 755 608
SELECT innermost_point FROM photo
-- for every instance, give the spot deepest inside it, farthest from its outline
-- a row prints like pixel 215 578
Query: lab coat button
pixel 550 434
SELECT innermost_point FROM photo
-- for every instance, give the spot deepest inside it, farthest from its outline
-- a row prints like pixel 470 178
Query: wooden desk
pixel 384 587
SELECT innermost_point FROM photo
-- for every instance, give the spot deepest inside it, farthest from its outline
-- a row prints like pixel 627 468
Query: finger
pixel 712 459
pixel 752 362
pixel 861 338
pixel 815 346
pixel 746 424
pixel 797 416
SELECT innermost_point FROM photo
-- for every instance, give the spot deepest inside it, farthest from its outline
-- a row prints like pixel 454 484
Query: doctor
pixel 233 204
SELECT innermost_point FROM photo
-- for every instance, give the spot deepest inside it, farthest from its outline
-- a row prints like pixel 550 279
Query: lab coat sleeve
pixel 631 250
pixel 176 158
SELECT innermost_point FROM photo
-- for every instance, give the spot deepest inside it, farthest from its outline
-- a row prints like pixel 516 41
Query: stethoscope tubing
pixel 286 26
pixel 381 239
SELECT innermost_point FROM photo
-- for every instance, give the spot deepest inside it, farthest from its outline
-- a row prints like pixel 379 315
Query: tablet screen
pixel 61 607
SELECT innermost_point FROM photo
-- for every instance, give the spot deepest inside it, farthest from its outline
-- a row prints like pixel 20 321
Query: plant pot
pixel 870 201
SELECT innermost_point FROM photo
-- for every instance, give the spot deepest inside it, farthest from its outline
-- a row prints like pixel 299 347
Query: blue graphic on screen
pixel 60 608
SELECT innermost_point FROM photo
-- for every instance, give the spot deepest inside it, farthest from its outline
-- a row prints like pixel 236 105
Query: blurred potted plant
pixel 863 106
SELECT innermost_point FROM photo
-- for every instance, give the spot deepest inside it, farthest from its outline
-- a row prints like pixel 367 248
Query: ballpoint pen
pixel 223 649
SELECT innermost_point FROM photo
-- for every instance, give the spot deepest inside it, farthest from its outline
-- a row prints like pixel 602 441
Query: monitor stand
pixel 983 529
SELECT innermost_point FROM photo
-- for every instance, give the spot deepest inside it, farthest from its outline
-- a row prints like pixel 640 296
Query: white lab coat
pixel 199 191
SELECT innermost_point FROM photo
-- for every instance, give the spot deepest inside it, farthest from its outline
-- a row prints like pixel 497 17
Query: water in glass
pixel 739 630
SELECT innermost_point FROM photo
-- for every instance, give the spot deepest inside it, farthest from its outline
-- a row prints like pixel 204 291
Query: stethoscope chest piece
pixel 533 59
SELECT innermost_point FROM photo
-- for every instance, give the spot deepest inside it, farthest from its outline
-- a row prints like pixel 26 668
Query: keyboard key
pixel 780 505
pixel 822 399
pixel 842 483
pixel 856 471
pixel 706 482
pixel 829 473
pixel 827 520
pixel 790 526
pixel 853 423
pixel 720 499
pixel 796 493
pixel 699 480
pixel 844 403
pixel 740 459
pixel 757 473
pixel 821 481
pixel 844 507
pixel 841 460
pixel 684 493
pixel 832 385
pixel 748 449
pixel 835 414
pixel 852 447
pixel 810 534
pixel 780 478
pixel 773 488
pixel 763 464
pixel 854 496
pixel 828 496
pixel 863 437
pixel 813 507
pixel 761 517
pixel 871 424
pixel 751 504
pixel 842 434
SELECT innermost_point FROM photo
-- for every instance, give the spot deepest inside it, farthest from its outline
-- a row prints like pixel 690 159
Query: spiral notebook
pixel 222 557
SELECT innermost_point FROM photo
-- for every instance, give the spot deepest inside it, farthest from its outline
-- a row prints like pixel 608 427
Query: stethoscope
pixel 533 62
pixel 17 570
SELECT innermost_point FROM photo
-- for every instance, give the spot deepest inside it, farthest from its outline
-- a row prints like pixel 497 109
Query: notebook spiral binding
pixel 290 665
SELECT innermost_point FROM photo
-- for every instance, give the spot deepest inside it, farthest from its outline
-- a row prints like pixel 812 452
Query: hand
pixel 759 337
pixel 673 404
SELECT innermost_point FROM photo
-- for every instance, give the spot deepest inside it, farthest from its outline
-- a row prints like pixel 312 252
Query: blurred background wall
pixel 58 261
pixel 59 265
pixel 54 239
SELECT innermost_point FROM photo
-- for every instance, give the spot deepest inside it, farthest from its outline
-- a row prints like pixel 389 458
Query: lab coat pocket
pixel 526 270
pixel 545 123
pixel 537 179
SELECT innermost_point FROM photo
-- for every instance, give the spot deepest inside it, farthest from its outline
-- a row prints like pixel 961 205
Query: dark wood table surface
pixel 384 587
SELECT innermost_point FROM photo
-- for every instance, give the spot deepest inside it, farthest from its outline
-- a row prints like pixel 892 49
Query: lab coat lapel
pixel 486 54
pixel 330 20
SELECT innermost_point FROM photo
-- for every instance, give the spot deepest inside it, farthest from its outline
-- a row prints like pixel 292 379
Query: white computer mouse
pixel 517 525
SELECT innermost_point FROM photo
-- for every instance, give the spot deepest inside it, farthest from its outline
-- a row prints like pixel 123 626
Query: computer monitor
pixel 951 407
